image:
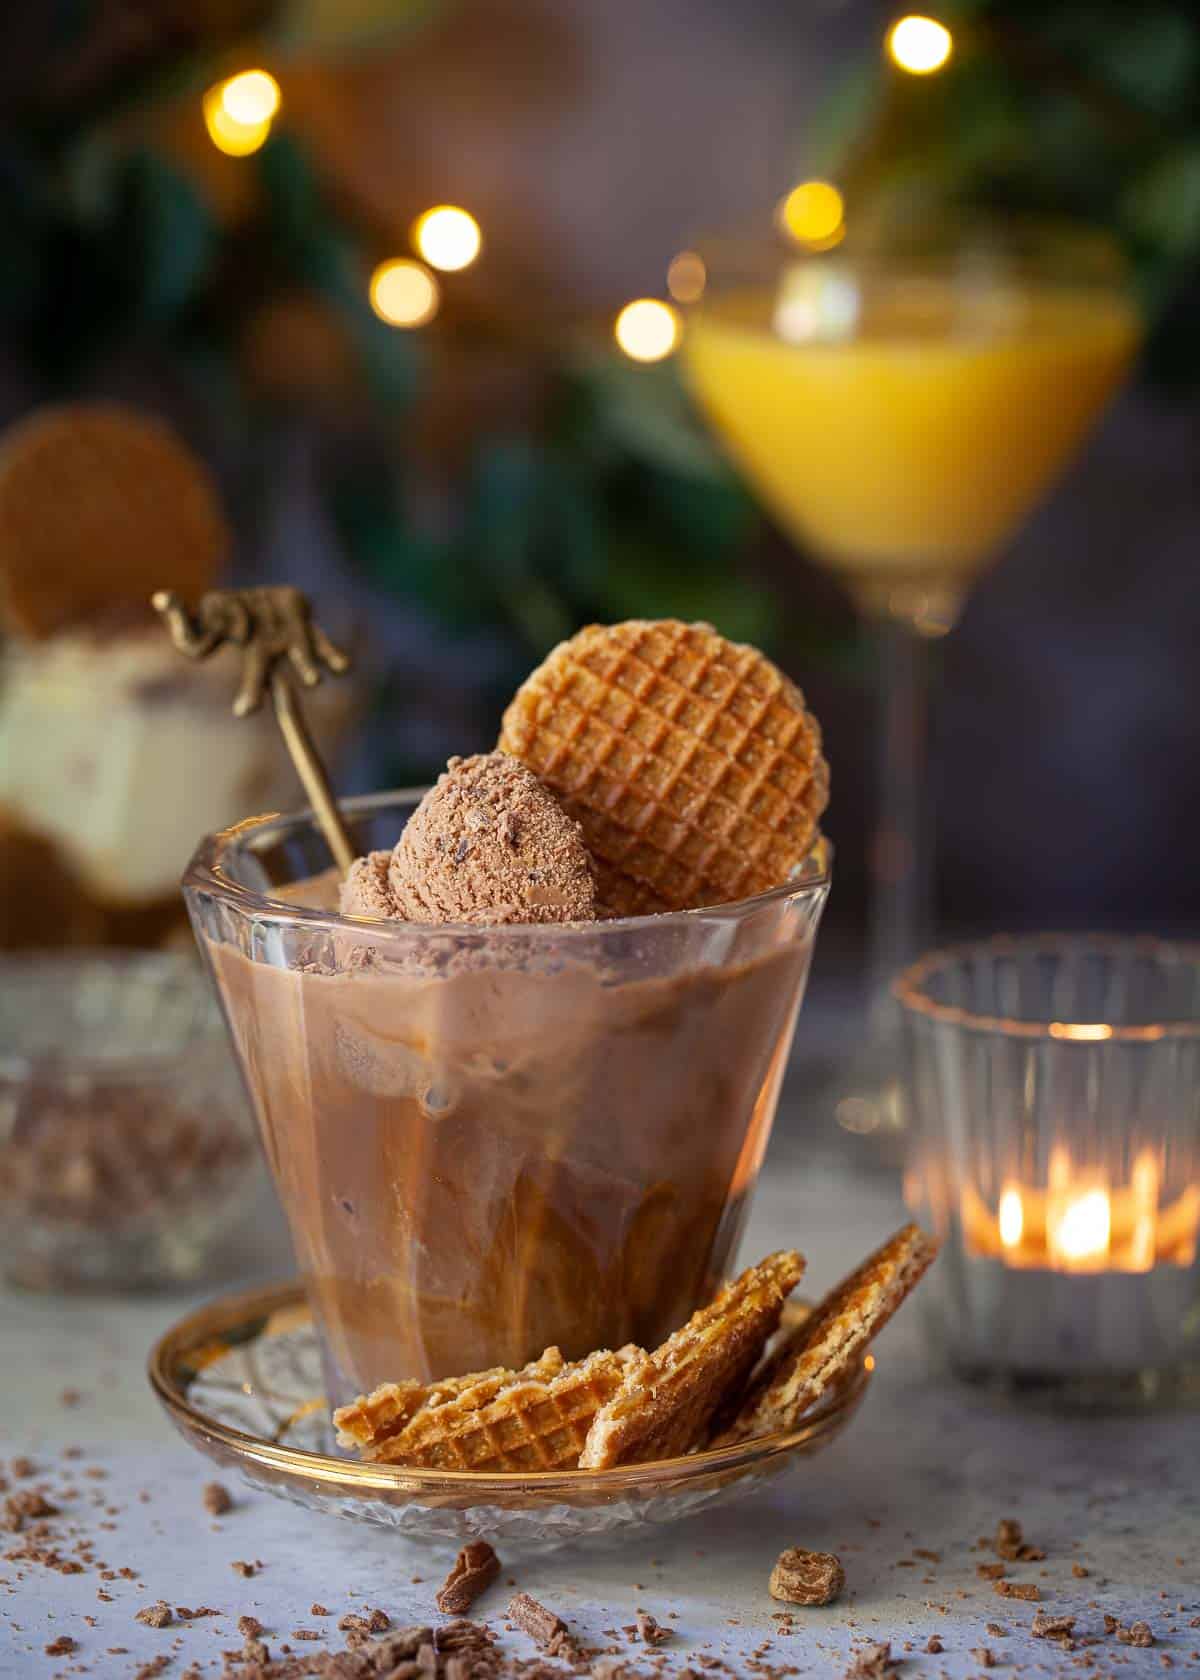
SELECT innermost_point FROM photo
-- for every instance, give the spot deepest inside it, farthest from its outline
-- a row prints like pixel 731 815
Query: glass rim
pixel 909 988
pixel 205 874
pixel 925 235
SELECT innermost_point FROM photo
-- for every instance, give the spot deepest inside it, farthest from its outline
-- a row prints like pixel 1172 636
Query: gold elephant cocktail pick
pixel 280 641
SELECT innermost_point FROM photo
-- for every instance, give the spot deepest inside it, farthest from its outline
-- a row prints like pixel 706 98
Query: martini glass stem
pixel 902 850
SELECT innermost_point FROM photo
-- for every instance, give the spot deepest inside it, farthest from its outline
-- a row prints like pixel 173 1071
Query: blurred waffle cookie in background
pixel 115 755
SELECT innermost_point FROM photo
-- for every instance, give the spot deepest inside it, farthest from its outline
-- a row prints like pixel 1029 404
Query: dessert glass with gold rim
pixel 490 1140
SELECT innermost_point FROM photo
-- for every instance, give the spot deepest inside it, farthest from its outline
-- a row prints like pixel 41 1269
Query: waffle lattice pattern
pixel 691 762
pixel 373 1419
pixel 666 1405
pixel 836 1334
pixel 528 1426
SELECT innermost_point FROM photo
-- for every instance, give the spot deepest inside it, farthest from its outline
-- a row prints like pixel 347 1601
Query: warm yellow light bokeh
pixel 687 277
pixel 239 111
pixel 447 237
pixel 252 96
pixel 404 293
pixel 647 329
pixel 920 45
pixel 814 215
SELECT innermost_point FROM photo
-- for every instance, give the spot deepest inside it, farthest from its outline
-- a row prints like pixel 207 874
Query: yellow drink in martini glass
pixel 901 409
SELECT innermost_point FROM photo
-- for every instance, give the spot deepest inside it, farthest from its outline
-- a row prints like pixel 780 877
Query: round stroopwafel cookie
pixel 691 762
pixel 100 506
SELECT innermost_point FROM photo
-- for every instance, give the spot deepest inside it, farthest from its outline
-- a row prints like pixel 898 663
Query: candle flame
pixel 1081 1222
pixel 1083 1228
pixel 1012 1217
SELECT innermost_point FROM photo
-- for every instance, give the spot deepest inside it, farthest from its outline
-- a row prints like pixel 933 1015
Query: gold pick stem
pixel 310 769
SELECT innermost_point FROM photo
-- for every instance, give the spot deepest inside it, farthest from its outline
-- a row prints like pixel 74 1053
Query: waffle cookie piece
pixel 528 1424
pixel 374 1419
pixel 691 763
pixel 99 506
pixel 826 1344
pixel 666 1405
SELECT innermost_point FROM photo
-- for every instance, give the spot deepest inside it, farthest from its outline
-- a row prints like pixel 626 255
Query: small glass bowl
pixel 241 1381
pixel 126 1145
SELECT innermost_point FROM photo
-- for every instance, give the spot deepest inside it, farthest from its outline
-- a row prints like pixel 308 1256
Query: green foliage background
pixel 616 503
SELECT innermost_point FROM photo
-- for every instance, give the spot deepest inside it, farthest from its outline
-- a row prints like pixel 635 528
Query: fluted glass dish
pixel 241 1380
pixel 1054 1088
pixel 490 1140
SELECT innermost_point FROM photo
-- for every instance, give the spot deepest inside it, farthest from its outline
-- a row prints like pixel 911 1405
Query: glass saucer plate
pixel 241 1380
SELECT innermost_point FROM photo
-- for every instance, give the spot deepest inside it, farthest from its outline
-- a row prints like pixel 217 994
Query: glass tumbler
pixel 491 1140
pixel 126 1147
pixel 1054 1088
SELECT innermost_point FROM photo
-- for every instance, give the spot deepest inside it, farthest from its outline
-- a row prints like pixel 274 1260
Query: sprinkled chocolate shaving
pixel 542 1625
pixel 475 1568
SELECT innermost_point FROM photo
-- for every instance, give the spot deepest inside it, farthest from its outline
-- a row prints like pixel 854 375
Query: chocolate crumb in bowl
pixel 803 1577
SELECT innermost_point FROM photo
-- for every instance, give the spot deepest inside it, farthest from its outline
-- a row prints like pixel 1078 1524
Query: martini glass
pixel 901 402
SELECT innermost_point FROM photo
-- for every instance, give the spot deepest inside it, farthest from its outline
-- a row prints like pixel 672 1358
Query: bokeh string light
pixel 687 277
pixel 404 293
pixel 447 237
pixel 814 215
pixel 647 329
pixel 239 111
pixel 920 45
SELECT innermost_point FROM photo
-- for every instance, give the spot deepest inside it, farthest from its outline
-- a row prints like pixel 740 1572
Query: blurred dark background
pixel 470 492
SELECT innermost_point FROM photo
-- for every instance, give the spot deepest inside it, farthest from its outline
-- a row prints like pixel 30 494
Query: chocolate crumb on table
pixel 155 1615
pixel 217 1499
pixel 651 1631
pixel 803 1577
pixel 874 1662
pixel 984 1656
pixel 1139 1634
pixel 542 1625
pixel 1052 1627
pixel 249 1627
pixel 1018 1589
pixel 475 1569
pixel 63 1646
pixel 1010 1543
pixel 934 1646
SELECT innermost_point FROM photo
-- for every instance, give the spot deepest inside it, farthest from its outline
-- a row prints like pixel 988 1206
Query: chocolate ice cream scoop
pixel 487 844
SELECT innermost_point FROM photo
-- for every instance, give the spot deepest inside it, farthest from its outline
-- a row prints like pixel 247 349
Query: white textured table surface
pixel 927 1465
